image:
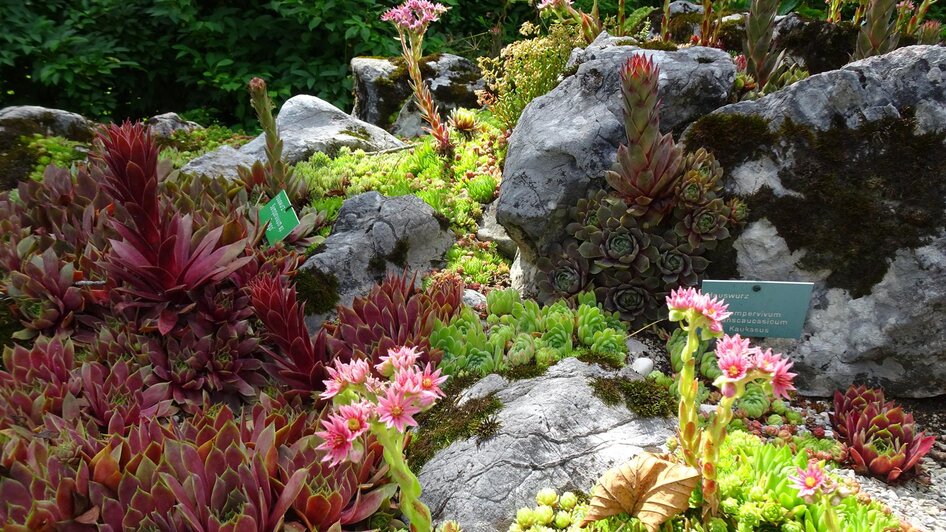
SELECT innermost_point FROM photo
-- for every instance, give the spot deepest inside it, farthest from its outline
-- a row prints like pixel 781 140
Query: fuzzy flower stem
pixel 710 444
pixel 665 22
pixel 689 433
pixel 411 506
pixel 412 46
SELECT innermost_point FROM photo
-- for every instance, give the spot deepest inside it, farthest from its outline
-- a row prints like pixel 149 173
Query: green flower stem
pixel 831 518
pixel 689 430
pixel 393 443
pixel 412 46
pixel 711 442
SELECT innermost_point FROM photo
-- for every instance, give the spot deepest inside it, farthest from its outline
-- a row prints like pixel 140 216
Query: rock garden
pixel 473 297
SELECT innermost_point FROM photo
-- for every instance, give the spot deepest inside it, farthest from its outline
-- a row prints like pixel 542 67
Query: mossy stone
pixel 821 46
pixel 319 290
pixel 866 192
pixel 644 397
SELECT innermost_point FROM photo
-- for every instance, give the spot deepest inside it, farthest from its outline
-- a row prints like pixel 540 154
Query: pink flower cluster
pixel 711 309
pixel 553 4
pixel 738 360
pixel 414 15
pixel 391 402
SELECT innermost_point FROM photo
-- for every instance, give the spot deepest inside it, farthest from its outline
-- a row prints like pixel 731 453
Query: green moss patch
pixel 449 421
pixel 319 290
pixel 525 371
pixel 867 192
pixel 644 397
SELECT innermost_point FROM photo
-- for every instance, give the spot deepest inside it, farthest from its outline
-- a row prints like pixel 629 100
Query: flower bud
pixel 563 519
pixel 525 517
pixel 546 497
pixel 568 500
pixel 544 515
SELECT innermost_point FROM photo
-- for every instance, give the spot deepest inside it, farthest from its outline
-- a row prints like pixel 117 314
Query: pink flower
pixel 734 365
pixel 808 481
pixel 430 383
pixel 397 410
pixel 714 310
pixel 782 378
pixel 546 4
pixel 400 358
pixel 358 371
pixel 407 381
pixel 734 345
pixel 683 299
pixel 414 15
pixel 355 417
pixel 337 439
pixel 336 384
pixel 766 361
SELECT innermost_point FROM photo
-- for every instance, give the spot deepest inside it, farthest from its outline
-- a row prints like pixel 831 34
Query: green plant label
pixel 281 217
pixel 763 309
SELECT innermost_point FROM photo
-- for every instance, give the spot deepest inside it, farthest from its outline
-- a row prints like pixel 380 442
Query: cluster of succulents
pixel 647 236
pixel 519 332
pixel 882 438
pixel 566 511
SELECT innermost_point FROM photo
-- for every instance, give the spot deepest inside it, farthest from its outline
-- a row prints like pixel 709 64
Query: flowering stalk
pixel 590 23
pixel 917 19
pixel 740 364
pixel 701 317
pixel 665 22
pixel 834 11
pixel 411 20
pixel 276 175
pixel 386 408
pixel 813 484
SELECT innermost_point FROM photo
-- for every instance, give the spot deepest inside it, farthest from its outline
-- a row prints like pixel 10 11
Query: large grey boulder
pixel 222 162
pixel 565 140
pixel 383 95
pixel 845 177
pixel 307 125
pixel 16 122
pixel 553 433
pixel 375 236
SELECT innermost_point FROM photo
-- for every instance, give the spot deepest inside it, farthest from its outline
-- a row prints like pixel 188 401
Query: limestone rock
pixel 164 125
pixel 375 236
pixel 565 140
pixel 491 231
pixel 383 96
pixel 845 176
pixel 554 433
pixel 16 163
pixel 307 125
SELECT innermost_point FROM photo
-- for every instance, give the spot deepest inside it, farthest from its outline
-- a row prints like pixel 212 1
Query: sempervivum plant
pixel 564 272
pixel 46 295
pixel 160 260
pixel 36 381
pixel 881 437
pixel 115 397
pixel 706 225
pixel 299 360
pixel 634 299
pixel 648 167
pixel 616 241
pixel 395 313
pixel 678 264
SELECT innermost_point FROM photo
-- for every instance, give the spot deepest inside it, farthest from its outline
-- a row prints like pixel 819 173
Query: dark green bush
pixel 135 58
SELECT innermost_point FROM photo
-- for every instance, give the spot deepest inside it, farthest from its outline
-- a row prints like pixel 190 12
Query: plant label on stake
pixel 281 217
pixel 763 309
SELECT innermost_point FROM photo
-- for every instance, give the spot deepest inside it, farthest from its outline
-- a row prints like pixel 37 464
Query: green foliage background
pixel 134 58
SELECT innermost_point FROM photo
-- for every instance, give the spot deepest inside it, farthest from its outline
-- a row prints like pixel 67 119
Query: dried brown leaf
pixel 648 487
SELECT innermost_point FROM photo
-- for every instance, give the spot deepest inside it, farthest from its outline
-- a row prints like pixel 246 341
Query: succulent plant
pixel 394 314
pixel 501 302
pixel 464 121
pixel 755 403
pixel 46 295
pixel 635 300
pixel 700 183
pixel 37 381
pixel 648 167
pixel 762 61
pixel 705 226
pixel 878 35
pixel 160 259
pixel 564 272
pixel 299 361
pixel 115 397
pixel 617 241
pixel 882 438
pixel 929 32
pixel 678 264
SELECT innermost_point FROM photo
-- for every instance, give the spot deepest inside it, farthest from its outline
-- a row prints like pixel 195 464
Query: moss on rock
pixel 644 397
pixel 865 193
pixel 317 289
